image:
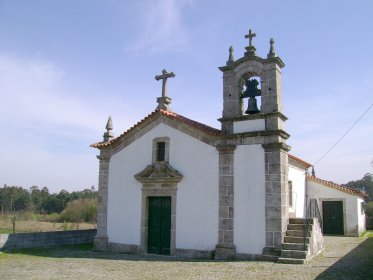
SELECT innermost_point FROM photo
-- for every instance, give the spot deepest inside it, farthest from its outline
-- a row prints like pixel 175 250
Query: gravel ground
pixel 342 258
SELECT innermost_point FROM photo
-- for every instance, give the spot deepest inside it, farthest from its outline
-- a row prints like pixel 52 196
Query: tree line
pixel 40 201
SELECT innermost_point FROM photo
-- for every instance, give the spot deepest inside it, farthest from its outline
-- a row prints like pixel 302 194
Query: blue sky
pixel 65 66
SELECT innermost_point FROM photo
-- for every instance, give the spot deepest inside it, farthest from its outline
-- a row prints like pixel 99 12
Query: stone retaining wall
pixel 45 239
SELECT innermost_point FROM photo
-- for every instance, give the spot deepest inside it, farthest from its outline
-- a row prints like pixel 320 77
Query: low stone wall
pixel 316 244
pixel 10 242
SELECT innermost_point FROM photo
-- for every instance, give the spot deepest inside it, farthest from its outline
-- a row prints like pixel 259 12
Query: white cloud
pixel 161 25
pixel 45 130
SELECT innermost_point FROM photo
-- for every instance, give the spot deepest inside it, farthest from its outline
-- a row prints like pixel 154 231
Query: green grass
pixel 367 233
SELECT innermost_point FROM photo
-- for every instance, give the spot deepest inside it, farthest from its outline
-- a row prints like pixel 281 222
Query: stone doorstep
pixel 301 221
pixel 299 227
pixel 298 233
pixel 299 240
pixel 294 254
pixel 291 261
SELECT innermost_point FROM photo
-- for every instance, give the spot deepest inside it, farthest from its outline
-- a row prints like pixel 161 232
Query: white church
pixel 171 185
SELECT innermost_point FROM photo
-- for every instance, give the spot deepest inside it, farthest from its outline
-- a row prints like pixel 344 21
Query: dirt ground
pixel 342 258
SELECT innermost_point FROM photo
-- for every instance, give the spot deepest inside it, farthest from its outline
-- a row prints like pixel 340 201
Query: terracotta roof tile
pixel 337 186
pixel 171 115
pixel 306 164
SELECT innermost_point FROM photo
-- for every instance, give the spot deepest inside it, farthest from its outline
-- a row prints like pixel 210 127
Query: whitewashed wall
pixel 353 222
pixel 249 125
pixel 298 178
pixel 361 216
pixel 197 195
pixel 249 201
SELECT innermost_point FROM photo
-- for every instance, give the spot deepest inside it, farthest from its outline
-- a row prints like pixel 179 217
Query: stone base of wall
pixel 194 254
pixel 225 252
pixel 100 244
pixel 123 248
pixel 16 241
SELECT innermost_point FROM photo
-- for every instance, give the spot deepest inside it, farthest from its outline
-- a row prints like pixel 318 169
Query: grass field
pixel 40 226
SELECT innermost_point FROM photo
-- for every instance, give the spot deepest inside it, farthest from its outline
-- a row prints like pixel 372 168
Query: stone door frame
pixel 152 190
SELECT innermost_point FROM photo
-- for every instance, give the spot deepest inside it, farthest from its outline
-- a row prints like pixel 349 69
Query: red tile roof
pixel 170 115
pixel 306 164
pixel 333 185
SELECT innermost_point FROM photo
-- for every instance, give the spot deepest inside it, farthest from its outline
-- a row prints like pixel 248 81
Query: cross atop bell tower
pixel 250 49
pixel 164 101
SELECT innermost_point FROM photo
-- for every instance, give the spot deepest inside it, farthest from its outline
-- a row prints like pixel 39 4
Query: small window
pixel 362 208
pixel 291 194
pixel 161 149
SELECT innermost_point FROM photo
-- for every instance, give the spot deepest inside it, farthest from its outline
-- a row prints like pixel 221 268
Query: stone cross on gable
pixel 164 101
pixel 164 78
pixel 250 36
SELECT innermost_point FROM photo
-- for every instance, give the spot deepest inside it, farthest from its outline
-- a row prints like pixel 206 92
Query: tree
pixel 365 184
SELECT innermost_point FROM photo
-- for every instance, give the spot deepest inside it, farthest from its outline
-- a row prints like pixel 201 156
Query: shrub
pixel 80 210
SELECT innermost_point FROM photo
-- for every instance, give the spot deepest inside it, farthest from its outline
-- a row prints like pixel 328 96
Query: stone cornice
pixel 280 133
pixel 159 173
pixel 276 146
pixel 226 148
pixel 254 117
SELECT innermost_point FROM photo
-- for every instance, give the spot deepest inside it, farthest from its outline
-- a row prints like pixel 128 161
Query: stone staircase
pixel 296 246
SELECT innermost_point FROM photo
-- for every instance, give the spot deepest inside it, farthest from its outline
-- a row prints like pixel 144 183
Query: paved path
pixel 343 258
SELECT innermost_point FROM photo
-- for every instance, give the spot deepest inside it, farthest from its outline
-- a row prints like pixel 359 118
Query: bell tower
pixel 255 125
pixel 237 74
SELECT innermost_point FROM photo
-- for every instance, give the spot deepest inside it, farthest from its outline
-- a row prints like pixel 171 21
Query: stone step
pixel 294 254
pixel 291 261
pixel 298 233
pixel 300 221
pixel 299 227
pixel 271 251
pixel 268 258
pixel 294 246
pixel 299 240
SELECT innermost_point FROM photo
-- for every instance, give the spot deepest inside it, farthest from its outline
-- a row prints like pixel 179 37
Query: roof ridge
pixel 197 125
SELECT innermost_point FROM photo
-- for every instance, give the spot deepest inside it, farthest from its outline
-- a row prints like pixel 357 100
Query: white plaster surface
pixel 353 222
pixel 298 179
pixel 197 194
pixel 249 125
pixel 249 191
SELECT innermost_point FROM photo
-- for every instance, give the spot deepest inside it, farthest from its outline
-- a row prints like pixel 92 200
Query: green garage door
pixel 332 212
pixel 159 225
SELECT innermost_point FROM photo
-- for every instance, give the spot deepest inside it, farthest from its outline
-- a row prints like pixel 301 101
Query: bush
pixel 80 210
pixel 369 209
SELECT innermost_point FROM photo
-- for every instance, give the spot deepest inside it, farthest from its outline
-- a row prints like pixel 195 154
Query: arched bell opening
pixel 252 91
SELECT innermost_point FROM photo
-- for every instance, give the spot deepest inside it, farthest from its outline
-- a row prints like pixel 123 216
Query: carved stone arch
pixel 245 71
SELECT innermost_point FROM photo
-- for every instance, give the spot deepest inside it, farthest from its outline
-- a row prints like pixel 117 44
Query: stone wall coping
pixel 254 117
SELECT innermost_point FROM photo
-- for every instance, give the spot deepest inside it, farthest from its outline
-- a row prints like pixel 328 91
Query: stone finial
pixel 108 135
pixel 313 172
pixel 250 50
pixel 164 101
pixel 231 57
pixel 272 52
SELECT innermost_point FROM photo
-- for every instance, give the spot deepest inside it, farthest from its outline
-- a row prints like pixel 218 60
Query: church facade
pixel 173 186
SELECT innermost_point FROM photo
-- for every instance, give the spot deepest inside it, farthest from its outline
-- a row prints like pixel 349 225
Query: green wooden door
pixel 159 225
pixel 332 217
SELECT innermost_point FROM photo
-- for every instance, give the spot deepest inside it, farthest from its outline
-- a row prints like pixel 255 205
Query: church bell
pixel 252 91
pixel 252 107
